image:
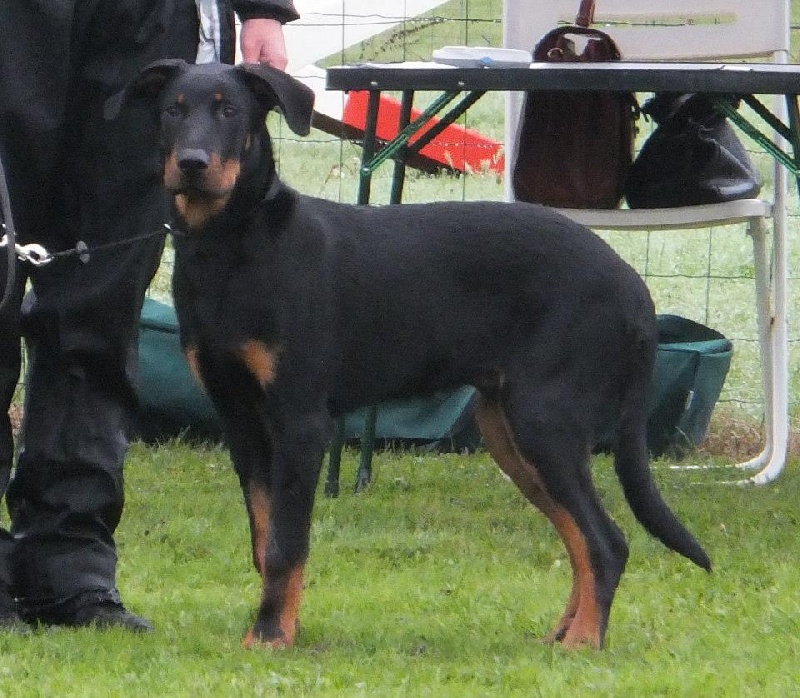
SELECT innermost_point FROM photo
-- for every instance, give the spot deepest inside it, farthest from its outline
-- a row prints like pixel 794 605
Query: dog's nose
pixel 193 160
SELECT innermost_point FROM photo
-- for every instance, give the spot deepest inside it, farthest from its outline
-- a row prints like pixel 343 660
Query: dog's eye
pixel 172 110
pixel 228 111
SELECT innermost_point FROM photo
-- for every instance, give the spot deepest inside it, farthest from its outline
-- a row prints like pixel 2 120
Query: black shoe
pixel 107 614
pixel 95 614
pixel 96 608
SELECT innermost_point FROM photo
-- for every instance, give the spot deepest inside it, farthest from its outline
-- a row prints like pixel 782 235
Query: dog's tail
pixel 631 462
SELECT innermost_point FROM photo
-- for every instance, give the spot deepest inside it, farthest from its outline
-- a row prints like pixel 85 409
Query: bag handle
pixel 551 40
pixel 585 13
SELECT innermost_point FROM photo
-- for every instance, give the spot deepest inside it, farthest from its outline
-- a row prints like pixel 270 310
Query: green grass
pixel 439 580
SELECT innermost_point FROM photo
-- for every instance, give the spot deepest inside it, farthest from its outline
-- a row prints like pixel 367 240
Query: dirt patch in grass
pixel 739 438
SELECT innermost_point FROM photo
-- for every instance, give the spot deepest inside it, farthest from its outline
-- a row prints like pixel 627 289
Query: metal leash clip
pixel 32 253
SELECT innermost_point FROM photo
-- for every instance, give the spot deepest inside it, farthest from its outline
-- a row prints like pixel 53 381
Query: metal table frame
pixel 465 86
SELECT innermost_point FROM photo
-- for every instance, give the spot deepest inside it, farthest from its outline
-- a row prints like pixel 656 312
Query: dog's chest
pixel 226 304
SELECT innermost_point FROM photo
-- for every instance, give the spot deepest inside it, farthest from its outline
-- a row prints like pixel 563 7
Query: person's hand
pixel 262 42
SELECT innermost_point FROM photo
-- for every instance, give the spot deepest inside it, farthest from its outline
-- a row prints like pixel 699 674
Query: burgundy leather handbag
pixel 574 148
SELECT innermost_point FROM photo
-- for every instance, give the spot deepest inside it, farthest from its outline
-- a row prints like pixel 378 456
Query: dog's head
pixel 212 121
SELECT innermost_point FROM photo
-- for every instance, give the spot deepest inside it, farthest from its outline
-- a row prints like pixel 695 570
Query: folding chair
pixel 694 30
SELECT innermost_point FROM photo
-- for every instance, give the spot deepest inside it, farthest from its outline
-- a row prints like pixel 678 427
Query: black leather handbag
pixel 693 157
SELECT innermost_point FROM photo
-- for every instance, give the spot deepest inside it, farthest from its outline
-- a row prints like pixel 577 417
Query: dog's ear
pixel 147 84
pixel 275 87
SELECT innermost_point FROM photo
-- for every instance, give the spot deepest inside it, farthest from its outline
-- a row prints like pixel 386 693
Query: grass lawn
pixel 437 581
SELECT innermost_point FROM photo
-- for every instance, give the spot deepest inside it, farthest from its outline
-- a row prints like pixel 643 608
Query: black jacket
pixel 282 10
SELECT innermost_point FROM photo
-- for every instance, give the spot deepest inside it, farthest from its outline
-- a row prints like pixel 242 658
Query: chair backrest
pixel 690 30
pixel 658 30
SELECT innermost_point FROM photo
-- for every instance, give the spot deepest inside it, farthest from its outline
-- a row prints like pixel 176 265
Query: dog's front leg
pixel 298 448
pixel 277 454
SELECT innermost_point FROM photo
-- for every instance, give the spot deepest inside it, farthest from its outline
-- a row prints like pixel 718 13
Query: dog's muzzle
pixel 198 172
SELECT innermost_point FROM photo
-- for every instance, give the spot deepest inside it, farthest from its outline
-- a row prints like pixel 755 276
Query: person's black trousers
pixel 74 176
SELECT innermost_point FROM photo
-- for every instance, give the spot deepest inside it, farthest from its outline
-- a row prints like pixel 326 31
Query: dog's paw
pixel 271 635
pixel 256 640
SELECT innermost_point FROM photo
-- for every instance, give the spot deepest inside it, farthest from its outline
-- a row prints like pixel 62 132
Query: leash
pixel 38 256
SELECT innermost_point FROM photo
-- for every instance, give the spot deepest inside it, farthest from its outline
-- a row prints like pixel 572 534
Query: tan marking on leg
pixel 260 360
pixel 291 605
pixel 584 628
pixel 559 631
pixel 580 623
pixel 493 426
pixel 259 506
pixel 288 620
pixel 250 640
pixel 194 365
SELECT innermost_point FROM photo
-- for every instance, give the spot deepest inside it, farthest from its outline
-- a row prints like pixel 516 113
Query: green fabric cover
pixel 691 367
pixel 692 364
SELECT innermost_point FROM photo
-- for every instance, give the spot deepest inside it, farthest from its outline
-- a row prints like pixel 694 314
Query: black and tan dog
pixel 295 310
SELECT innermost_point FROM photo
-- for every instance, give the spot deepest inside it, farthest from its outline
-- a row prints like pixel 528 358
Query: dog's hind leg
pixel 551 468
